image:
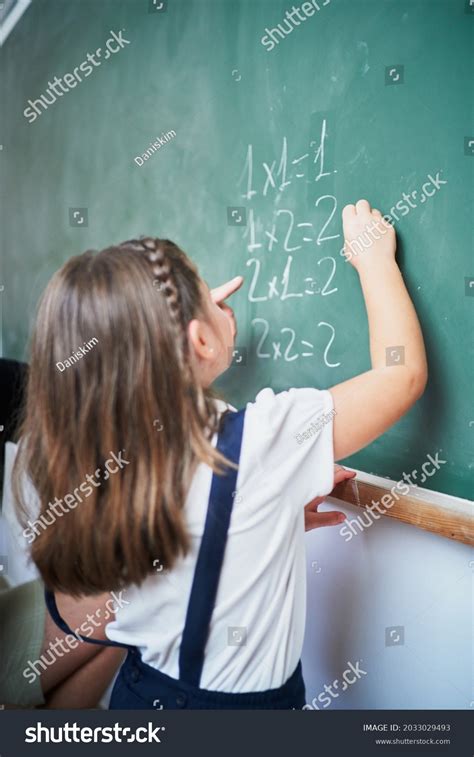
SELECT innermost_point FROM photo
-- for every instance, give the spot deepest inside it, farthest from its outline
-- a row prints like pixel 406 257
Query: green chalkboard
pixel 259 136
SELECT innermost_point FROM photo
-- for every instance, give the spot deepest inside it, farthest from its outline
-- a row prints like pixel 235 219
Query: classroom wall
pixel 389 575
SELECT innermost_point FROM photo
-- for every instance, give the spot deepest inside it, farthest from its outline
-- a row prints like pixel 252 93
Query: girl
pixel 198 522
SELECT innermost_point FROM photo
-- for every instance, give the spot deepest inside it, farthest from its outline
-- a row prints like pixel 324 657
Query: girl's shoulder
pixel 289 434
pixel 292 406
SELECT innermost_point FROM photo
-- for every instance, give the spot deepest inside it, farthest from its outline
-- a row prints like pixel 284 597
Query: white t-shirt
pixel 261 597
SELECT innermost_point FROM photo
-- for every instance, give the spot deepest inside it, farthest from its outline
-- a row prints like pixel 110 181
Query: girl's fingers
pixel 318 520
pixel 223 291
pixel 311 506
pixel 348 212
pixel 362 206
pixel 311 509
pixel 341 474
pixel 376 212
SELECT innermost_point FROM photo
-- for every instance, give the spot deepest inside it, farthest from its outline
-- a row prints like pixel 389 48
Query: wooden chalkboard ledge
pixel 439 513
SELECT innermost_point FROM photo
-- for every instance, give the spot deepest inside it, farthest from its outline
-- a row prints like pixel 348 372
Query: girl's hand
pixel 313 519
pixel 220 293
pixel 367 236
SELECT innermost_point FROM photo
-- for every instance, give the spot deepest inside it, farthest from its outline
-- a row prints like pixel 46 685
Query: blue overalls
pixel 140 686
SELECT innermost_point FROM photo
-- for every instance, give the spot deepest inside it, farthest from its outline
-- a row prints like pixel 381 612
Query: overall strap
pixel 61 623
pixel 211 554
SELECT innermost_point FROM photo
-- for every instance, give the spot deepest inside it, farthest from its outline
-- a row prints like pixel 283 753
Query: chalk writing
pixel 284 235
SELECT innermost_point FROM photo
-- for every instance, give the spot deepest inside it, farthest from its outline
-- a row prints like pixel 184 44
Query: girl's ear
pixel 200 337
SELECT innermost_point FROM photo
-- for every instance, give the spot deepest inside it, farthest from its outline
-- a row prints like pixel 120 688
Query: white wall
pixel 391 574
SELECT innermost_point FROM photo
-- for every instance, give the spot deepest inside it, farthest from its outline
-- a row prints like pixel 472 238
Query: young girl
pixel 198 520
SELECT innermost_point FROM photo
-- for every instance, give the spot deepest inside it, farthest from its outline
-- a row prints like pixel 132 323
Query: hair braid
pixel 155 252
pixel 161 253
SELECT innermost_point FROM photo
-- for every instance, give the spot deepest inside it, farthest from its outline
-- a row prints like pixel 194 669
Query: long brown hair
pixel 134 391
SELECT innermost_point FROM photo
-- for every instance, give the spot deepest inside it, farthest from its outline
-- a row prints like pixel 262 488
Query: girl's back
pixel 202 529
pixel 257 628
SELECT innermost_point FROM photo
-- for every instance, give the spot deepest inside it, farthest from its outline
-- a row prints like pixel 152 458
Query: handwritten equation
pixel 271 179
pixel 288 346
pixel 280 288
pixel 290 232
pixel 286 236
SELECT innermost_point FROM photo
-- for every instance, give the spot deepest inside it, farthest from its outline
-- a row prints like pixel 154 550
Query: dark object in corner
pixel 13 378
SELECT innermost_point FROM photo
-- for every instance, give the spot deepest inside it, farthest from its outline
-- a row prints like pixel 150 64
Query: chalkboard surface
pixel 208 123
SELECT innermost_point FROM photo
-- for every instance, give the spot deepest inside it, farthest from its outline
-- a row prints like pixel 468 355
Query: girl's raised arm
pixel 370 403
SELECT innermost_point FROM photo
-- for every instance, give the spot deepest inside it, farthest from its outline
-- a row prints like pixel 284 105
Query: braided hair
pixel 166 259
pixel 159 252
